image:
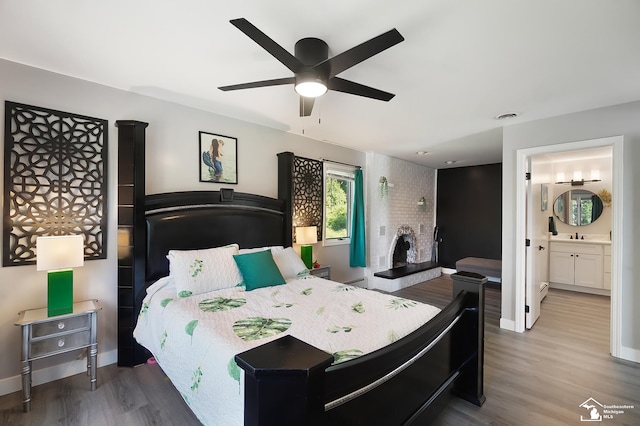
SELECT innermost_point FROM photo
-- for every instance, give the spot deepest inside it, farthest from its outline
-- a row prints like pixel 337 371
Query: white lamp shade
pixel 59 252
pixel 306 234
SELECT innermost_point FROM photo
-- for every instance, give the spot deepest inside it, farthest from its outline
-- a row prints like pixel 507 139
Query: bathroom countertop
pixel 588 240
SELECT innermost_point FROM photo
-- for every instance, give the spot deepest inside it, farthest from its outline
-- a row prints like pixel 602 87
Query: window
pixel 338 201
pixel 581 207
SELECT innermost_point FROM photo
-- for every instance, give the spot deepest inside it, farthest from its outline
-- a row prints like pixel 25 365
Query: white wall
pixel 399 207
pixel 602 226
pixel 603 122
pixel 172 160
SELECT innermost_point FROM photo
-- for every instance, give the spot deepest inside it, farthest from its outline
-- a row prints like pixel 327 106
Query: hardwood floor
pixel 542 376
pixel 536 378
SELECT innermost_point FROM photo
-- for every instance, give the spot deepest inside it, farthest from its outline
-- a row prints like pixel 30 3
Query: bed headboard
pixel 203 219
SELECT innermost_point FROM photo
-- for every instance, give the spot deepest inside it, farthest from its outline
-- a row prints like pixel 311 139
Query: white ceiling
pixel 463 62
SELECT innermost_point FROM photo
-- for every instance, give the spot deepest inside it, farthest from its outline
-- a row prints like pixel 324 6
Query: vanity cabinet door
pixel 561 267
pixel 588 270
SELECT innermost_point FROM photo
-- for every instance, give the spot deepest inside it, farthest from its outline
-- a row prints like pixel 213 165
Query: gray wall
pixel 172 159
pixel 616 120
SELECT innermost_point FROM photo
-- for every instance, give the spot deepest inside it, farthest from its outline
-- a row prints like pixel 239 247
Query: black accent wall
pixel 469 213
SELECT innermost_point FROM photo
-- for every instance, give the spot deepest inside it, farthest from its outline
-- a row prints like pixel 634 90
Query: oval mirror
pixel 578 207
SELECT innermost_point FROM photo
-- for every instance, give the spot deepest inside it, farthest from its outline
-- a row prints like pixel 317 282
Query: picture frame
pixel 221 168
pixel 544 197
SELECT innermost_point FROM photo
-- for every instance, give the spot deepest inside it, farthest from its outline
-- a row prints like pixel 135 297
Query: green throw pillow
pixel 258 270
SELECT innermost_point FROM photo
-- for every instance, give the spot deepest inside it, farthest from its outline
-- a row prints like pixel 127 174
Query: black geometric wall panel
pixel 308 193
pixel 55 180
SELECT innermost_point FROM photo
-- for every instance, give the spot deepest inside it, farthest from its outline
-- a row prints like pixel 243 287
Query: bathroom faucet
pixel 576 235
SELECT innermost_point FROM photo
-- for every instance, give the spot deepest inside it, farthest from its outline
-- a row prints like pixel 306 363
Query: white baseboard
pixel 507 324
pixel 56 372
pixel 630 354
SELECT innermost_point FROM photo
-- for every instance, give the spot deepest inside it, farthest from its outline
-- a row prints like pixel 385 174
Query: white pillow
pixel 200 271
pixel 289 263
pixel 254 250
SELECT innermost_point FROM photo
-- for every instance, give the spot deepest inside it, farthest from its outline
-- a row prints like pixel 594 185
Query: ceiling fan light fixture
pixel 311 89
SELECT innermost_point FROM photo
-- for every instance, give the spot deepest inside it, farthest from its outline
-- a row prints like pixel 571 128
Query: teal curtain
pixel 357 254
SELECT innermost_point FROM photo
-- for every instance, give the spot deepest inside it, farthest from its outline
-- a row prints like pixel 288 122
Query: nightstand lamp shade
pixel 57 255
pixel 306 235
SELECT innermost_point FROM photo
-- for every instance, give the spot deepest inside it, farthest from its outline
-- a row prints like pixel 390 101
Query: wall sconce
pixel 577 178
pixel 57 255
pixel 307 235
pixel 384 186
pixel 577 182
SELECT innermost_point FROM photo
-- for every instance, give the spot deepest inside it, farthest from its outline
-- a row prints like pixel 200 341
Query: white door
pixel 532 288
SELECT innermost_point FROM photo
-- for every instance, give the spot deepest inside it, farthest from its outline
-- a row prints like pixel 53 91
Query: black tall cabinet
pixel 285 190
pixel 131 237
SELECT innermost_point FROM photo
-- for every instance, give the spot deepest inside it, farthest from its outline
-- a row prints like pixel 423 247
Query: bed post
pixel 284 383
pixel 468 341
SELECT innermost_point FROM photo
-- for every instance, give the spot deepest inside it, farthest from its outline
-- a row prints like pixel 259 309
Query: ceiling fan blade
pixel 361 52
pixel 341 85
pixel 306 105
pixel 263 83
pixel 278 52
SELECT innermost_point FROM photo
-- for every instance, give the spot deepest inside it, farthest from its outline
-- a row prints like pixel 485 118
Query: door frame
pixel 617 143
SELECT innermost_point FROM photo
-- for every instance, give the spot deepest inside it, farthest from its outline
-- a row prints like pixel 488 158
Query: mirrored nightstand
pixel 44 336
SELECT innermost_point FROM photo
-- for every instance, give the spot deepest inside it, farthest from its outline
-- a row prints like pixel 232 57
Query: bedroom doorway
pixel 524 268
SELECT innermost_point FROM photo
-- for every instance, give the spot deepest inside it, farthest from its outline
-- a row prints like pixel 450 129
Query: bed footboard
pixel 288 382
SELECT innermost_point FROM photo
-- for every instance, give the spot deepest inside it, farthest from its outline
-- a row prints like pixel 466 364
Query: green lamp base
pixel 60 292
pixel 306 254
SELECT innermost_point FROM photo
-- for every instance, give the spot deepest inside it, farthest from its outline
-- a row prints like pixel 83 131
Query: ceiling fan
pixel 314 72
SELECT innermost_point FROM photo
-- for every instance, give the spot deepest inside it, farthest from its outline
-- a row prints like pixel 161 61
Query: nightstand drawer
pixel 60 326
pixel 59 343
pixel 321 272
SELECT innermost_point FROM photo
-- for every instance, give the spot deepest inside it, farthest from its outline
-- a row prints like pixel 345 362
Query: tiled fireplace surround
pixel 395 213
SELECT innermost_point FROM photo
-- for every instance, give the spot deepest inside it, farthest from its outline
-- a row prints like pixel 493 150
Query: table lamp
pixel 306 235
pixel 57 255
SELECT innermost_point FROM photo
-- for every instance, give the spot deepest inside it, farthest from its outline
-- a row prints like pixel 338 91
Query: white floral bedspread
pixel 195 339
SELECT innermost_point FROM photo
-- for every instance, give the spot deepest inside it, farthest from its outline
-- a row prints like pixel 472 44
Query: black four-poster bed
pixel 287 381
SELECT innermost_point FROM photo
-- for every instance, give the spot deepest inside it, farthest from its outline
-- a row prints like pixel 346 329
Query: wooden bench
pixel 487 267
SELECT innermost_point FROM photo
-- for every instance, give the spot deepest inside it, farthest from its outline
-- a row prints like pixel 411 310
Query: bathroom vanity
pixel 580 265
